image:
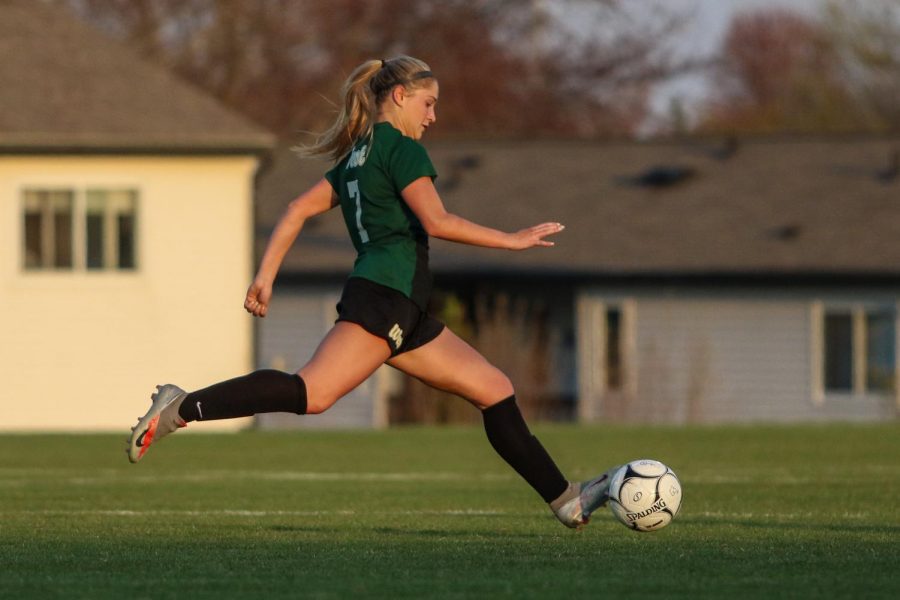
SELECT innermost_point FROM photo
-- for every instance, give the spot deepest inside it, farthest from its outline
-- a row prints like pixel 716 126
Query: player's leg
pixel 345 358
pixel 450 364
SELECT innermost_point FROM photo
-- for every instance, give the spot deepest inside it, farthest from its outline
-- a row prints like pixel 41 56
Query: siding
pixel 298 319
pixel 723 360
pixel 82 350
pixel 712 358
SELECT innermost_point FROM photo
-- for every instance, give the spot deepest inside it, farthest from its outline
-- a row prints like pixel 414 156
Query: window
pixel 859 347
pixel 92 229
pixel 110 225
pixel 48 229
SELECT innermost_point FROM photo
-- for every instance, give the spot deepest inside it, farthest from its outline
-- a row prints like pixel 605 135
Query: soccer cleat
pixel 161 420
pixel 576 511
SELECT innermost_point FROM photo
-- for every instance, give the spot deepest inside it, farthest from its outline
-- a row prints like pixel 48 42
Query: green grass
pixel 769 512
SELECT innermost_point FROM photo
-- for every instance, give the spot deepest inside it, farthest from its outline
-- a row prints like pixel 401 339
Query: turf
pixel 769 512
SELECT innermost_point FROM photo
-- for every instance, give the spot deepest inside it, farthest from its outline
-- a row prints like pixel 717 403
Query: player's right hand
pixel 257 300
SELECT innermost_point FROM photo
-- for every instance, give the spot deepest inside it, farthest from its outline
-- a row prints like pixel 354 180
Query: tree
pixel 571 67
pixel 779 71
pixel 867 38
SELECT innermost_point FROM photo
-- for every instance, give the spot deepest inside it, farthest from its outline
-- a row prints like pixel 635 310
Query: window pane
pixel 94 240
pixel 125 206
pixel 613 346
pixel 94 235
pixel 881 350
pixel 96 230
pixel 838 352
pixel 34 258
pixel 62 232
pixel 58 208
pixel 126 241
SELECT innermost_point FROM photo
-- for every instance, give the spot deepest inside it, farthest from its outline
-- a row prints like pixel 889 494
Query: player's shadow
pixel 444 533
pixel 301 529
pixel 400 532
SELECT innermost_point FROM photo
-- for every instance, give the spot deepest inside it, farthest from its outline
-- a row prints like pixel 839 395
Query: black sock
pixel 510 437
pixel 259 392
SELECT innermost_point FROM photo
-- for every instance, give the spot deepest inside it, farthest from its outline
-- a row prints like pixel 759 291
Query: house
pixel 699 280
pixel 126 228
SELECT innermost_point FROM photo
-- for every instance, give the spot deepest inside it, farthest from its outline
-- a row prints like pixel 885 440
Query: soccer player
pixel 383 182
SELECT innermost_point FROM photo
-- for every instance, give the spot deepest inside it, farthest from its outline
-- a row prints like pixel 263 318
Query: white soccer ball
pixel 645 495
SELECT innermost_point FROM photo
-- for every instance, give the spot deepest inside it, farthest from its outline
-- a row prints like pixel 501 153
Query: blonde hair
pixel 361 95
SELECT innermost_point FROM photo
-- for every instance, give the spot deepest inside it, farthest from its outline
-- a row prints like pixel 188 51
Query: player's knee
pixel 319 404
pixel 504 386
pixel 498 388
pixel 318 397
pixel 314 406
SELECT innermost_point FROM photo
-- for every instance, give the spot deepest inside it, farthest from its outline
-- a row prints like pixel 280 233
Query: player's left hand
pixel 534 236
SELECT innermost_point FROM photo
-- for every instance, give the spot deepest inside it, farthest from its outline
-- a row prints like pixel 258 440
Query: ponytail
pixel 362 93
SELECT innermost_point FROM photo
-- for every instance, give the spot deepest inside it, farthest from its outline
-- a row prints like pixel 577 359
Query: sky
pixel 701 36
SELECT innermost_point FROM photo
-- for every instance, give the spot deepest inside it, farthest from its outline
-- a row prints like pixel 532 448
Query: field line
pixel 105 477
pixel 258 513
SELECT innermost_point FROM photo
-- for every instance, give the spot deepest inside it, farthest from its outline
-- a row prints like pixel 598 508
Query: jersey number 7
pixel 353 190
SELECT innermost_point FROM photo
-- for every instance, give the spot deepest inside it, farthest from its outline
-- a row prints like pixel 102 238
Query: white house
pixel 126 228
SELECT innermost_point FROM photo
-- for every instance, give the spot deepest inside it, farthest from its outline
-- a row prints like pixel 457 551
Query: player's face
pixel 417 113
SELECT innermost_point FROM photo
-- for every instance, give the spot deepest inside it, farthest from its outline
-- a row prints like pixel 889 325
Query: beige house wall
pixel 82 351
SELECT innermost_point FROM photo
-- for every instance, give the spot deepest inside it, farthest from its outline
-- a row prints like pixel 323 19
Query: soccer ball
pixel 645 495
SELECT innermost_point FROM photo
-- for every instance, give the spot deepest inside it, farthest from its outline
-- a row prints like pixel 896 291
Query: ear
pixel 398 95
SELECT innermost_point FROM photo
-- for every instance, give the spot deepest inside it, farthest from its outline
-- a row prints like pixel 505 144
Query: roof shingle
pixel 65 87
pixel 803 206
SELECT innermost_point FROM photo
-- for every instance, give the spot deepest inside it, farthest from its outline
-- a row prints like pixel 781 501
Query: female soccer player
pixel 383 182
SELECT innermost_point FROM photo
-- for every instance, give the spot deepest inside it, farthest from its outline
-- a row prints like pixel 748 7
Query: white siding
pixel 720 358
pixel 723 360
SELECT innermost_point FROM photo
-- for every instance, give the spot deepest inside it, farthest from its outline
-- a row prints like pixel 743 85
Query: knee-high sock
pixel 510 437
pixel 259 392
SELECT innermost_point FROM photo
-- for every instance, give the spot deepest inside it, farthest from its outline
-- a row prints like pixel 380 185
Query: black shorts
pixel 388 314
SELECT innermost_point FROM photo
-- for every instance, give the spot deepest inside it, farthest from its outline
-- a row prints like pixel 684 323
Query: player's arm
pixel 318 199
pixel 422 198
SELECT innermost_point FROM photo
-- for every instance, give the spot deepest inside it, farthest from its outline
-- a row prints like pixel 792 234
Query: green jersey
pixel 391 243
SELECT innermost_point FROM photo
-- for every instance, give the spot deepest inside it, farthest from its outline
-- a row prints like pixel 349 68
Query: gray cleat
pixel 576 511
pixel 161 420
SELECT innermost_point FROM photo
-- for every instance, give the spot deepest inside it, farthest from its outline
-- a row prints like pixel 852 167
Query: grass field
pixel 769 512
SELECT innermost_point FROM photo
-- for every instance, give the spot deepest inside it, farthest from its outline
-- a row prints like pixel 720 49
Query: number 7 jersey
pixel 391 244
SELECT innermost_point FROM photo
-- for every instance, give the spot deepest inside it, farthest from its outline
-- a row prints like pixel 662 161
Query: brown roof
pixel 753 207
pixel 65 87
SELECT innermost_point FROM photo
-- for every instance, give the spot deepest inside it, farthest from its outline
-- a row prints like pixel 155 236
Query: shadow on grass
pixel 411 532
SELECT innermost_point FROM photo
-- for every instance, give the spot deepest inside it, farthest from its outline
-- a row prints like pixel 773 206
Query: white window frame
pixel 80 194
pixel 593 386
pixel 858 312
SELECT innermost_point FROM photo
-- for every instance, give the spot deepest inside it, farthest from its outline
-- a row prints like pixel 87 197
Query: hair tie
pixel 383 63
